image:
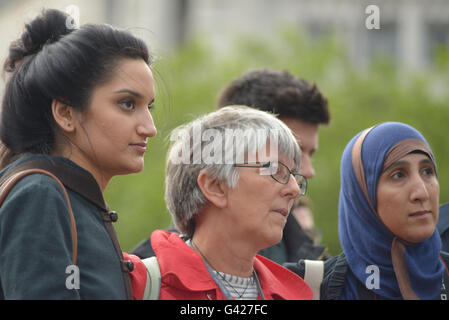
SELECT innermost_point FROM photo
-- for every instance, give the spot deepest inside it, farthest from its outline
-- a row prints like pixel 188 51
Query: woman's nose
pixel 146 126
pixel 291 189
pixel 306 168
pixel 419 190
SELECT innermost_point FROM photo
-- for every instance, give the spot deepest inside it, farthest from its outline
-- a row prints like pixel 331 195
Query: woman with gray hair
pixel 231 180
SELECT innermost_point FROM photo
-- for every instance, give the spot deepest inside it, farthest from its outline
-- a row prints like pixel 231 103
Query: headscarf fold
pixel 406 271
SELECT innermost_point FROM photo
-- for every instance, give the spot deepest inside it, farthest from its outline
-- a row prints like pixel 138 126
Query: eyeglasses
pixel 279 172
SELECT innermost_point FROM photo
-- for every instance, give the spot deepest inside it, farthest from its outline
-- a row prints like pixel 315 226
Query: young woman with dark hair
pixel 77 104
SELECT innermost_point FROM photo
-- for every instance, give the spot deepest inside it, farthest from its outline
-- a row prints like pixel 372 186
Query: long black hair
pixel 52 61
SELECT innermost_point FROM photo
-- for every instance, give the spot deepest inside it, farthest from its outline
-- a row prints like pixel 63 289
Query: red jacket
pixel 185 277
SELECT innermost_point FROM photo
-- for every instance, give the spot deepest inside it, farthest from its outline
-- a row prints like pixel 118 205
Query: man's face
pixel 307 135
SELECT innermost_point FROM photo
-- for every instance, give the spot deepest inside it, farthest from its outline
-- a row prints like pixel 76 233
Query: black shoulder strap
pixel 445 283
pixel 335 270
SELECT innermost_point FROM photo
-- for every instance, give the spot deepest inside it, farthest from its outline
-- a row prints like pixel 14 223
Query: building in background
pixel 410 30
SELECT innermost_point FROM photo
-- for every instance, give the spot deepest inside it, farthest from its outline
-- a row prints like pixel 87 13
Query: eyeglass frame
pixel 268 164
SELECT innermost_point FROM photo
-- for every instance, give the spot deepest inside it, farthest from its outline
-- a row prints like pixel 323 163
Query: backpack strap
pixel 313 276
pixel 444 256
pixel 9 182
pixel 153 285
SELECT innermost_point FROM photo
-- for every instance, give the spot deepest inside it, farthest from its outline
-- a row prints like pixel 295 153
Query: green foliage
pixel 190 79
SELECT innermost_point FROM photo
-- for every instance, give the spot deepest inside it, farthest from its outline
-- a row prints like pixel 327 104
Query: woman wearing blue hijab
pixel 388 210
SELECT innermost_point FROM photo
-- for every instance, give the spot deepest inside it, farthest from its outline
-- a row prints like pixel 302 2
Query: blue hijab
pixel 364 238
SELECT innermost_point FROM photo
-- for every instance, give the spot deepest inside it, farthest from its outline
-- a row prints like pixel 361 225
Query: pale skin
pixel 408 197
pixel 306 134
pixel 110 137
pixel 241 221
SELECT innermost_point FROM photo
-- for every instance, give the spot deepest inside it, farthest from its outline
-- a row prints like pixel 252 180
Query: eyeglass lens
pixel 282 173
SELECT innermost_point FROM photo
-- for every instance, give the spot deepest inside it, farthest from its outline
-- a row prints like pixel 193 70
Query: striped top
pixel 240 288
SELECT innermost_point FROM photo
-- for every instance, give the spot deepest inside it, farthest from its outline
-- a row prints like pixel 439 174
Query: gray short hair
pixel 185 158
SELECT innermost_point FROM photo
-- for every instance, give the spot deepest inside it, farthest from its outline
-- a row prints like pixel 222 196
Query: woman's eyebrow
pixel 407 163
pixel 132 92
pixel 397 164
pixel 427 161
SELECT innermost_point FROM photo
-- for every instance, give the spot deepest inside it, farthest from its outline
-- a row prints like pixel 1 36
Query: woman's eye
pixel 127 104
pixel 428 171
pixel 151 107
pixel 397 175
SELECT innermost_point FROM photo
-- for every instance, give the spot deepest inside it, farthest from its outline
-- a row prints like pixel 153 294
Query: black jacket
pixel 443 226
pixel 145 250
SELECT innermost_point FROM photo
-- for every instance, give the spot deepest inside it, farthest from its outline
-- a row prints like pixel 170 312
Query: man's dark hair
pixel 279 92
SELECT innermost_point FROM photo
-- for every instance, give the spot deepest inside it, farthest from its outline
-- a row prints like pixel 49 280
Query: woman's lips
pixel 283 212
pixel 141 147
pixel 419 214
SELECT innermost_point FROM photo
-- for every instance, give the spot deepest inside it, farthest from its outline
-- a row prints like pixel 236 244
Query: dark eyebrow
pixel 134 93
pixel 397 164
pixel 427 161
pixel 405 163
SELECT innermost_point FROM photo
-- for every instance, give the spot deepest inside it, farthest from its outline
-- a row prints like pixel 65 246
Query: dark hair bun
pixel 47 28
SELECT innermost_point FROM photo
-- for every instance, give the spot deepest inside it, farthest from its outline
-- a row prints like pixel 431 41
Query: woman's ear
pixel 63 115
pixel 213 189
